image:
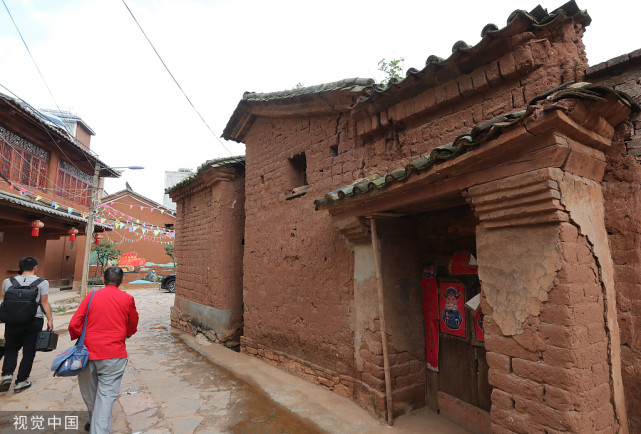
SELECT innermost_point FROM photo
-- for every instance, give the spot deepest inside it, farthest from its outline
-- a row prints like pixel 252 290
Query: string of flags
pixel 106 214
pixel 44 201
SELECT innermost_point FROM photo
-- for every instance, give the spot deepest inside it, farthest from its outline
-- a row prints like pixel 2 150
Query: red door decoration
pixel 452 308
pixel 430 310
pixel 463 263
pixel 479 329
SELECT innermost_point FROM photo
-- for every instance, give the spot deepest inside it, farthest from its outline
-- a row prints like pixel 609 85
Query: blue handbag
pixel 72 361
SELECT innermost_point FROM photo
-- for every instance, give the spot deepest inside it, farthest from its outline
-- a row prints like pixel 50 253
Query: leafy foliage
pixel 391 69
pixel 171 252
pixel 106 252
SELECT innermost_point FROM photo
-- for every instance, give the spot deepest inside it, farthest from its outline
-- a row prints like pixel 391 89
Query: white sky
pixel 99 66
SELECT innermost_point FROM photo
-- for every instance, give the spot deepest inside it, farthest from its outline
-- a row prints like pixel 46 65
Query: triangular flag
pixel 141 208
pixel 131 206
pixel 156 232
pixel 55 205
pixel 38 198
pixel 152 210
pixel 84 214
pixel 69 209
pixel 162 211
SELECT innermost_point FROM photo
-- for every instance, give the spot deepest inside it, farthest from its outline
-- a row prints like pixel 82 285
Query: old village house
pixel 373 218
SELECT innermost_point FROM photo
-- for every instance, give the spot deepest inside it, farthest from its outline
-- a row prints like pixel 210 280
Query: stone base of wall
pixel 365 396
pixel 184 322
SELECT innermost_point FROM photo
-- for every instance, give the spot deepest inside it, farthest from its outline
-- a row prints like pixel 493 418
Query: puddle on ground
pixel 227 402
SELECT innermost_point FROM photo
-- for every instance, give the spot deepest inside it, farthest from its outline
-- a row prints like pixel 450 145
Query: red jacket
pixel 112 318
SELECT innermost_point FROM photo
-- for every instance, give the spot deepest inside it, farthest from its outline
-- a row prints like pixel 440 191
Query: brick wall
pixel 555 376
pixel 622 192
pixel 298 271
pixel 209 249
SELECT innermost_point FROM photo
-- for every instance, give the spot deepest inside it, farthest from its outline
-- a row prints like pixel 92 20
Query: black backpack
pixel 19 305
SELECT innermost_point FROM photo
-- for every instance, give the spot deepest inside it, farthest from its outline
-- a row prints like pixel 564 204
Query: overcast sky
pixel 99 66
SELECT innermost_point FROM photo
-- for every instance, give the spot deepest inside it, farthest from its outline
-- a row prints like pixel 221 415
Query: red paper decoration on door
pixel 452 308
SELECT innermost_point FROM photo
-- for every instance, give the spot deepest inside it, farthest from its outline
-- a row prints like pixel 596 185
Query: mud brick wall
pixel 298 270
pixel 194 224
pixel 555 376
pixel 209 248
pixel 622 192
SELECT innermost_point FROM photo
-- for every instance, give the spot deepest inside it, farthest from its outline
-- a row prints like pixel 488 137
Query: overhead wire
pixel 46 85
pixel 176 81
pixel 46 178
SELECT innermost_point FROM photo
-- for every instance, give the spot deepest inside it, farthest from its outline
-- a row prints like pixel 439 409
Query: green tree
pixel 171 252
pixel 106 252
pixel 392 70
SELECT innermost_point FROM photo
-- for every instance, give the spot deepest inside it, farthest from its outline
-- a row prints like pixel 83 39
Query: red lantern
pixel 36 225
pixel 97 238
pixel 72 234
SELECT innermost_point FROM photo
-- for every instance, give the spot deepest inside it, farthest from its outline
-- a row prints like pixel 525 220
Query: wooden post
pixel 381 311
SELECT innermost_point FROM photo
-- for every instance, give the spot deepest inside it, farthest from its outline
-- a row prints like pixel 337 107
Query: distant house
pixel 46 176
pixel 173 177
pixel 142 229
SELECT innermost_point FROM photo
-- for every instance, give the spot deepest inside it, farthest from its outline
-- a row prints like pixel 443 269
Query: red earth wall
pixel 298 272
pixel 622 193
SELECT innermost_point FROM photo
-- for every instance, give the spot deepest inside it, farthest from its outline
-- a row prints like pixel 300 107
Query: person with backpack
pixel 24 306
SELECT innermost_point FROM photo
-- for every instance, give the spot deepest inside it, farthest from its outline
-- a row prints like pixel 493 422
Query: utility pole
pixel 89 231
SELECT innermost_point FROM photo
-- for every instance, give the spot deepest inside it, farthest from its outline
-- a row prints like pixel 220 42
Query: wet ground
pixel 167 387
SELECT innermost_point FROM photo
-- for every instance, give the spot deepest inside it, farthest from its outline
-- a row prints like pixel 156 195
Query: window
pixel 297 176
pixel 298 166
pixel 73 184
pixel 22 161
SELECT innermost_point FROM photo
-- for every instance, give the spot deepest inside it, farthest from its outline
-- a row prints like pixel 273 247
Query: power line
pixel 45 83
pixel 174 79
pixel 45 177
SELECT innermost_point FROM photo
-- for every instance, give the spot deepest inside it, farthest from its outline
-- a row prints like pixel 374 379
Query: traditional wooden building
pixel 463 239
pixel 45 189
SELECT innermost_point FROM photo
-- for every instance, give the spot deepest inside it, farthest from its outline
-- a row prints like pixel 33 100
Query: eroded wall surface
pixel 301 283
pixel 622 193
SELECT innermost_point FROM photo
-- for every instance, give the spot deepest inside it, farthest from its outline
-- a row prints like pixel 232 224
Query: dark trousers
pixel 20 336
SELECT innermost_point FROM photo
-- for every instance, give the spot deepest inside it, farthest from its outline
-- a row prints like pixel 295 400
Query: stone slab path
pixel 177 383
pixel 167 387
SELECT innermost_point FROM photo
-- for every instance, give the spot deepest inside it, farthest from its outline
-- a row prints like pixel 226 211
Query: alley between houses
pixel 172 386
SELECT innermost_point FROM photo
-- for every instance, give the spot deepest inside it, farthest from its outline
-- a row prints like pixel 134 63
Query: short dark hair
pixel 113 276
pixel 27 264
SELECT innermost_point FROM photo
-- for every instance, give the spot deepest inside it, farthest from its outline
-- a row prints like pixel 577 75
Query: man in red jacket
pixel 112 318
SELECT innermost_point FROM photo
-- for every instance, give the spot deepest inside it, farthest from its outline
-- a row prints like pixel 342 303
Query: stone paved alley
pixel 169 387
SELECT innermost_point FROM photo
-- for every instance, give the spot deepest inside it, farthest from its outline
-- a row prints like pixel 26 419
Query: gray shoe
pixel 23 385
pixel 6 383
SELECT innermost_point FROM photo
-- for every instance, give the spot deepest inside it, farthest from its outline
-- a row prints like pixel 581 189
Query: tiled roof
pixel 466 142
pixel 347 85
pixel 238 160
pixel 465 57
pixel 20 201
pixel 614 63
pixel 52 127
